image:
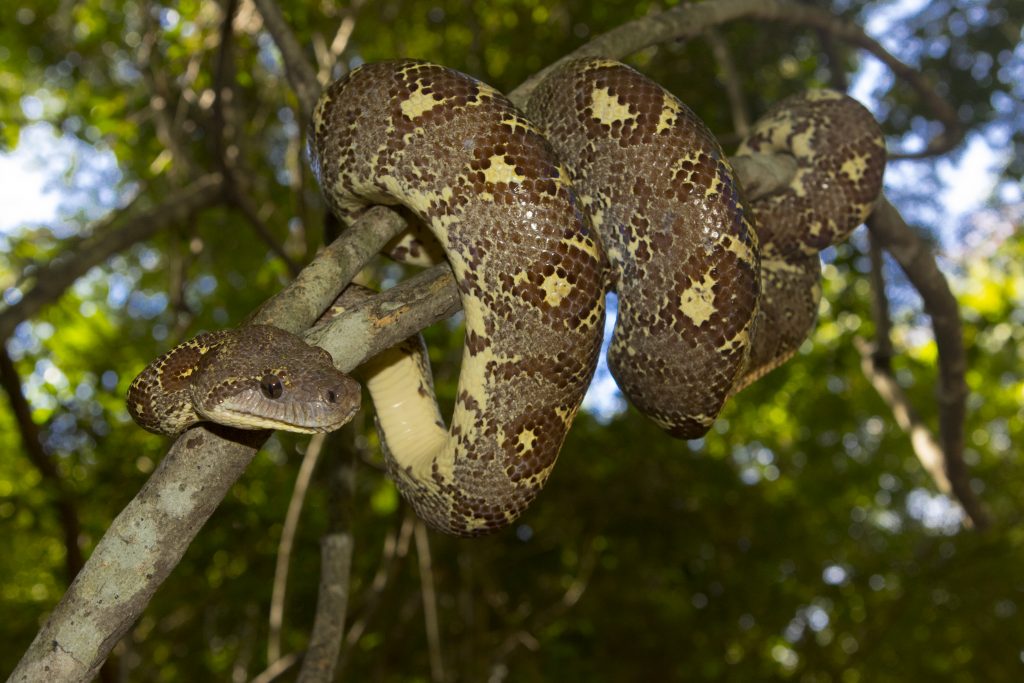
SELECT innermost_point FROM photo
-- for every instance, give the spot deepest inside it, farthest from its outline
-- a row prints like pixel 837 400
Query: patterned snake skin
pixel 713 293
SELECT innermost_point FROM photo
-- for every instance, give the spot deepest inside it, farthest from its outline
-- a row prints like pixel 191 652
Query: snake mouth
pixel 322 400
pixel 315 421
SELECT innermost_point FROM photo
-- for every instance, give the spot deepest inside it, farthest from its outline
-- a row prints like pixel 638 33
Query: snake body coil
pixel 662 195
pixel 530 273
pixel 712 292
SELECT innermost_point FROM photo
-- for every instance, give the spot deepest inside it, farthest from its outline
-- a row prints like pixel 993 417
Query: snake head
pixel 261 377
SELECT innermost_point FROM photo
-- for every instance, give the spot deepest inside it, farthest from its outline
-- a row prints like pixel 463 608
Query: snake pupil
pixel 271 386
pixel 331 396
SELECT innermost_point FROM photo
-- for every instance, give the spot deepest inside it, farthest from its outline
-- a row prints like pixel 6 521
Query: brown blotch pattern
pixel 840 155
pixel 682 249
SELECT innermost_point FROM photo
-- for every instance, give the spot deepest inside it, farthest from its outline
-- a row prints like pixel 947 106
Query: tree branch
pixel 314 449
pixel 429 601
pixel 332 601
pixel 63 501
pixel 49 282
pixel 691 20
pixel 916 260
pixel 297 66
pixel 147 540
pixel 321 658
pixel 928 451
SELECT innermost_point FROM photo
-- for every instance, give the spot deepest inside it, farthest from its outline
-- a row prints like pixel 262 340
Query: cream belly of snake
pixel 607 181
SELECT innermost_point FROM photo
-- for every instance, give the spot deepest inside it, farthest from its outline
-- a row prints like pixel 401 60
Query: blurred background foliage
pixel 800 540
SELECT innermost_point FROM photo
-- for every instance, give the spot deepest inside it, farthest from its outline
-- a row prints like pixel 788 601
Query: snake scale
pixel 606 181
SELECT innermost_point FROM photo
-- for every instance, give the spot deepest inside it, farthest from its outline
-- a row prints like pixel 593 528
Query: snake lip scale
pixel 607 181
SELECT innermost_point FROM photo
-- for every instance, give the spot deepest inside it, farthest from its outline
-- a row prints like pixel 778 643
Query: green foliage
pixel 796 542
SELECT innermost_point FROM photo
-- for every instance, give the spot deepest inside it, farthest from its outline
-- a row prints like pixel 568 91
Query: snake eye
pixel 332 397
pixel 271 386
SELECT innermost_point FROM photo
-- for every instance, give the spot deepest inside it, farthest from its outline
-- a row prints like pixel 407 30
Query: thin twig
pixel 394 550
pixel 730 77
pixel 277 668
pixel 321 658
pixel 63 501
pixel 297 66
pixel 327 55
pixel 429 602
pixel 284 547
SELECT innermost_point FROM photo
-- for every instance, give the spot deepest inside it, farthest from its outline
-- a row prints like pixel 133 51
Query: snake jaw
pixel 254 377
pixel 277 381
pixel 306 410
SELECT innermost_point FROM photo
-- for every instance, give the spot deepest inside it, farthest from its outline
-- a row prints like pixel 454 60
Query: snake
pixel 604 182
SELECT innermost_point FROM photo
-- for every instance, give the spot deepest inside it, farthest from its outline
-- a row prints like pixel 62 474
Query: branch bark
pixel 147 540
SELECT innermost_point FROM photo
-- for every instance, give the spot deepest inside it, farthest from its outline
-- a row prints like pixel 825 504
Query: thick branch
pixel 141 547
pixel 50 281
pixel 147 540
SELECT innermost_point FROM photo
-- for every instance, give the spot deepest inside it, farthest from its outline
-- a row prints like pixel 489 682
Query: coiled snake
pixel 712 292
